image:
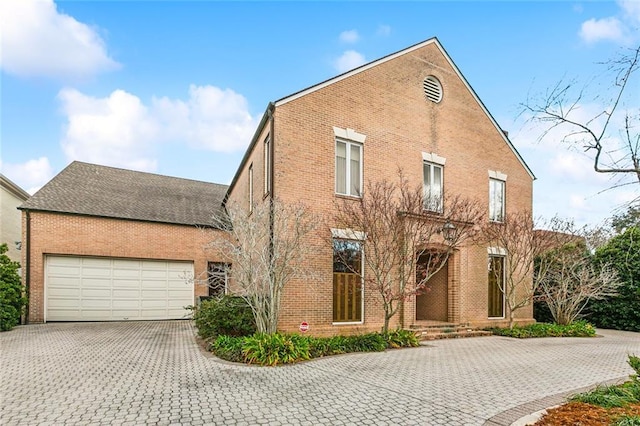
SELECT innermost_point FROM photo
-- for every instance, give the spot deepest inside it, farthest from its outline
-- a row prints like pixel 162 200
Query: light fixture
pixel 18 245
pixel 448 231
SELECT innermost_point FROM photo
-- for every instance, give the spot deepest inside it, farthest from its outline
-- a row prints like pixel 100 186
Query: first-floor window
pixel 347 281
pixel 496 287
pixel 217 278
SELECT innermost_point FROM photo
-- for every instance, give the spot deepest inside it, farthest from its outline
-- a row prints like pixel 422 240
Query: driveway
pixel 155 373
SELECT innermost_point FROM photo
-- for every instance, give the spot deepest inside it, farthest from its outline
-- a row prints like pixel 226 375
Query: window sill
pixel 348 323
pixel 495 318
pixel 348 197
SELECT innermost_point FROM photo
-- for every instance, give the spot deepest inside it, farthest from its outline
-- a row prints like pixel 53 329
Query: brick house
pixel 103 243
pixel 412 109
pixel 11 196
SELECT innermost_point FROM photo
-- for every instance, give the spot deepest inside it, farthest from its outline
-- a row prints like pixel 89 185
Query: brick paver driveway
pixel 155 373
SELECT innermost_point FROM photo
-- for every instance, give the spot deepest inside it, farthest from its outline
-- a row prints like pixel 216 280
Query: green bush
pixel 541 329
pixel 628 421
pixel 401 339
pixel 224 316
pixel 273 349
pixel 12 299
pixel 623 311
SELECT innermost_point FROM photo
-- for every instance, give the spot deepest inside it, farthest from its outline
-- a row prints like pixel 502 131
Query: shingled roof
pixel 93 190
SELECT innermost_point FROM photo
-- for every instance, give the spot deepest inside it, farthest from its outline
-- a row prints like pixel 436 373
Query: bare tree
pixel 404 244
pixel 612 135
pixel 515 239
pixel 566 276
pixel 266 249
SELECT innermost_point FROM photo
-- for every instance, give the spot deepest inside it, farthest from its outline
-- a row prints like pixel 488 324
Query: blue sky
pixel 177 88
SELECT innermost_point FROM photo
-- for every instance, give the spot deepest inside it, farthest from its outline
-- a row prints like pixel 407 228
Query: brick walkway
pixel 154 373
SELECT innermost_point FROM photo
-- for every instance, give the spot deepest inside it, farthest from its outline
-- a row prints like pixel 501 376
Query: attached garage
pixel 112 289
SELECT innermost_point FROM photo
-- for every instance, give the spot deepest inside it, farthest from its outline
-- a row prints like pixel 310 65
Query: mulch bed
pixel 581 414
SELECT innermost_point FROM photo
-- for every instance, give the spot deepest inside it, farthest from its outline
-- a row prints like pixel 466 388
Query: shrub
pixel 576 329
pixel 623 311
pixel 12 298
pixel 273 349
pixel 628 421
pixel 401 339
pixel 370 342
pixel 228 348
pixel 227 315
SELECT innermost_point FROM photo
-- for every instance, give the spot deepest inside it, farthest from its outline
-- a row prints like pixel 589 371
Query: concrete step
pixel 452 335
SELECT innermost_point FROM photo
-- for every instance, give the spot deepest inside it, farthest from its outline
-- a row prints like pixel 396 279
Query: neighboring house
pixel 11 224
pixel 98 237
pixel 412 109
pixel 103 243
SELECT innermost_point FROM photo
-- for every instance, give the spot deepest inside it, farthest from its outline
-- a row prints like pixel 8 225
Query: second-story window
pixel 348 168
pixel 267 165
pixel 250 188
pixel 496 200
pixel 432 187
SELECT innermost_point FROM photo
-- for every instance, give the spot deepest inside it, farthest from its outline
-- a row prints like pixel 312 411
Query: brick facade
pixel 386 102
pixel 75 235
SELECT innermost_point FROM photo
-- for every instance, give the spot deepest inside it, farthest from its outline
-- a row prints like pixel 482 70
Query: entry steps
pixel 442 330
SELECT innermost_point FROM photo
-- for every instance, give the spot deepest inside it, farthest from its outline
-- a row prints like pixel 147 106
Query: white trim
pixel 350 134
pixel 496 251
pixel 497 175
pixel 351 323
pixel 432 157
pixel 348 234
pixel 435 42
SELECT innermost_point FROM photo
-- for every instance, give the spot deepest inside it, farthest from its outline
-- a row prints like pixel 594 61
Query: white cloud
pixel 595 30
pixel 350 36
pixel 212 118
pixel 120 130
pixel 631 9
pixel 349 60
pixel 38 40
pixel 383 30
pixel 31 175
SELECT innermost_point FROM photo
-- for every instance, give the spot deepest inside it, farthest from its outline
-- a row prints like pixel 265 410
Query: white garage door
pixel 107 289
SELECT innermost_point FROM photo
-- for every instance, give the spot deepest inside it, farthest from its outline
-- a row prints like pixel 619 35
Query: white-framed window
pixel 250 187
pixel 347 281
pixel 432 186
pixel 495 291
pixel 348 168
pixel 497 199
pixel 267 165
pixel 218 278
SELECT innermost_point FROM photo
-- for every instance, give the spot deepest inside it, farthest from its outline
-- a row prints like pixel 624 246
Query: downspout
pixel 270 111
pixel 27 268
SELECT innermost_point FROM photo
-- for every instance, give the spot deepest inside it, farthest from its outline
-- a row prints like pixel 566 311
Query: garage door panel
pixel 107 289
pixel 126 293
pixel 65 271
pixel 95 303
pixel 92 282
pixel 104 293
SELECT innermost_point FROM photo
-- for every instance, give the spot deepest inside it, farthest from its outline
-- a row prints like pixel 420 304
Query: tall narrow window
pixel 347 281
pixel 432 187
pixel 496 200
pixel 267 165
pixel 218 278
pixel 348 168
pixel 496 287
pixel 251 187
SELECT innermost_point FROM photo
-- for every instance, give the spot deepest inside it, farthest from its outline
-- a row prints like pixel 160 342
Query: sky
pixel 178 88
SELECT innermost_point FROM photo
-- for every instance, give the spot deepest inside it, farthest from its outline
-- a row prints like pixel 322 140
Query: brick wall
pixel 387 104
pixel 63 234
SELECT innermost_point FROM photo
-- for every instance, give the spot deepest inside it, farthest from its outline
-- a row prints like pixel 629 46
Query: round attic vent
pixel 432 89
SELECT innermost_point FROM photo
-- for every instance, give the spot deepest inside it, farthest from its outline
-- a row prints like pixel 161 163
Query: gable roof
pixel 436 43
pixel 93 190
